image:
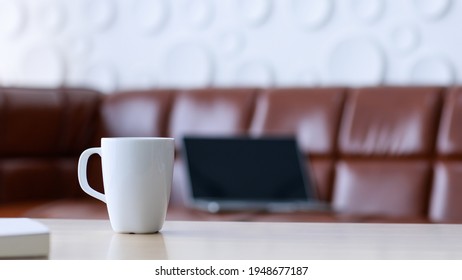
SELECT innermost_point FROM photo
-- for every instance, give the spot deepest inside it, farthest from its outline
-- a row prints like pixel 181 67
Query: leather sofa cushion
pixel 81 107
pixel 388 188
pixel 136 113
pixel 445 203
pixel 211 112
pixel 321 171
pixel 390 121
pixel 311 115
pixel 46 122
pixel 450 133
pixel 32 120
pixel 27 179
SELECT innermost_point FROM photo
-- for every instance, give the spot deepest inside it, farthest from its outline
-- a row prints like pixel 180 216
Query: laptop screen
pixel 246 169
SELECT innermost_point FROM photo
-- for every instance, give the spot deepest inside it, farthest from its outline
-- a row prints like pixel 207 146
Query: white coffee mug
pixel 137 179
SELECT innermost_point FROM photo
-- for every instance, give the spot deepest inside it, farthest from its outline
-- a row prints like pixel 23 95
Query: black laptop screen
pixel 246 169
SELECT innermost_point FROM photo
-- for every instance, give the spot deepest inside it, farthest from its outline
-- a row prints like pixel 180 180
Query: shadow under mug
pixel 137 179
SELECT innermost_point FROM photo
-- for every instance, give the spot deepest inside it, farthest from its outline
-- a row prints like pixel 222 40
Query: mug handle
pixel 82 173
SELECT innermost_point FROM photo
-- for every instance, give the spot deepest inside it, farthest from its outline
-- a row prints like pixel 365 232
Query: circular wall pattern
pixel 432 9
pixel 12 17
pixel 349 42
pixel 255 73
pixel 405 38
pixel 368 10
pixel 308 78
pixel 101 76
pixel 231 43
pixel 255 12
pixel 188 65
pixel 312 14
pixel 432 70
pixel 6 76
pixel 356 62
pixel 80 47
pixel 42 66
pixel 139 76
pixel 151 15
pixel 98 15
pixel 199 13
pixel 2 78
pixel 51 17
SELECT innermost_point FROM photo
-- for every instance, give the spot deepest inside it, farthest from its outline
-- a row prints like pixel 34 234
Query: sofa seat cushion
pixel 19 209
pixel 94 209
pixel 69 209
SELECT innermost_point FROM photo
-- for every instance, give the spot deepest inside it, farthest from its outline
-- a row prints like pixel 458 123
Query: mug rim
pixel 136 138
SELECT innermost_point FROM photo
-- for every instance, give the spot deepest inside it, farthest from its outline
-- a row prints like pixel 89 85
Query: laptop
pixel 244 173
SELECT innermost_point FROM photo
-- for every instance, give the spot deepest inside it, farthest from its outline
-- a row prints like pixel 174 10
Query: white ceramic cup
pixel 137 179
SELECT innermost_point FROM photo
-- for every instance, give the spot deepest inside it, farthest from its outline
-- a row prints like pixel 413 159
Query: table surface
pixel 94 239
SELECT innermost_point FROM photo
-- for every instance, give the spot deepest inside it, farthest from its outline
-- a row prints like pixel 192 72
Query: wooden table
pixel 94 239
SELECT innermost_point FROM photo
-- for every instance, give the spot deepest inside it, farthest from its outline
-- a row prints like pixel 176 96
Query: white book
pixel 23 238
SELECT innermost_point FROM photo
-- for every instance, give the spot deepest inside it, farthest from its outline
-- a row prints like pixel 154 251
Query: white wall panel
pixel 124 44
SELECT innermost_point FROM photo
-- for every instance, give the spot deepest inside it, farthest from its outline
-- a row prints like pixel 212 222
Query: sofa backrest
pixel 381 151
pixel 447 177
pixel 42 132
pixel 214 112
pixel 211 112
pixel 386 143
pixel 136 113
pixel 312 115
pixel 171 113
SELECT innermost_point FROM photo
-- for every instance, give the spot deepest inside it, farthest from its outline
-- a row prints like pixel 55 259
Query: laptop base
pixel 272 207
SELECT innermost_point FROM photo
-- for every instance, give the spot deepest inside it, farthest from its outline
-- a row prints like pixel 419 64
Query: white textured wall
pixel 121 44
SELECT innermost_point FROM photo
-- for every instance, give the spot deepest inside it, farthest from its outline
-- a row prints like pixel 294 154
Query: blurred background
pixel 135 44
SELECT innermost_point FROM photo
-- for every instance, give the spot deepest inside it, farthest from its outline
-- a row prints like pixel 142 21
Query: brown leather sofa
pixel 379 154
